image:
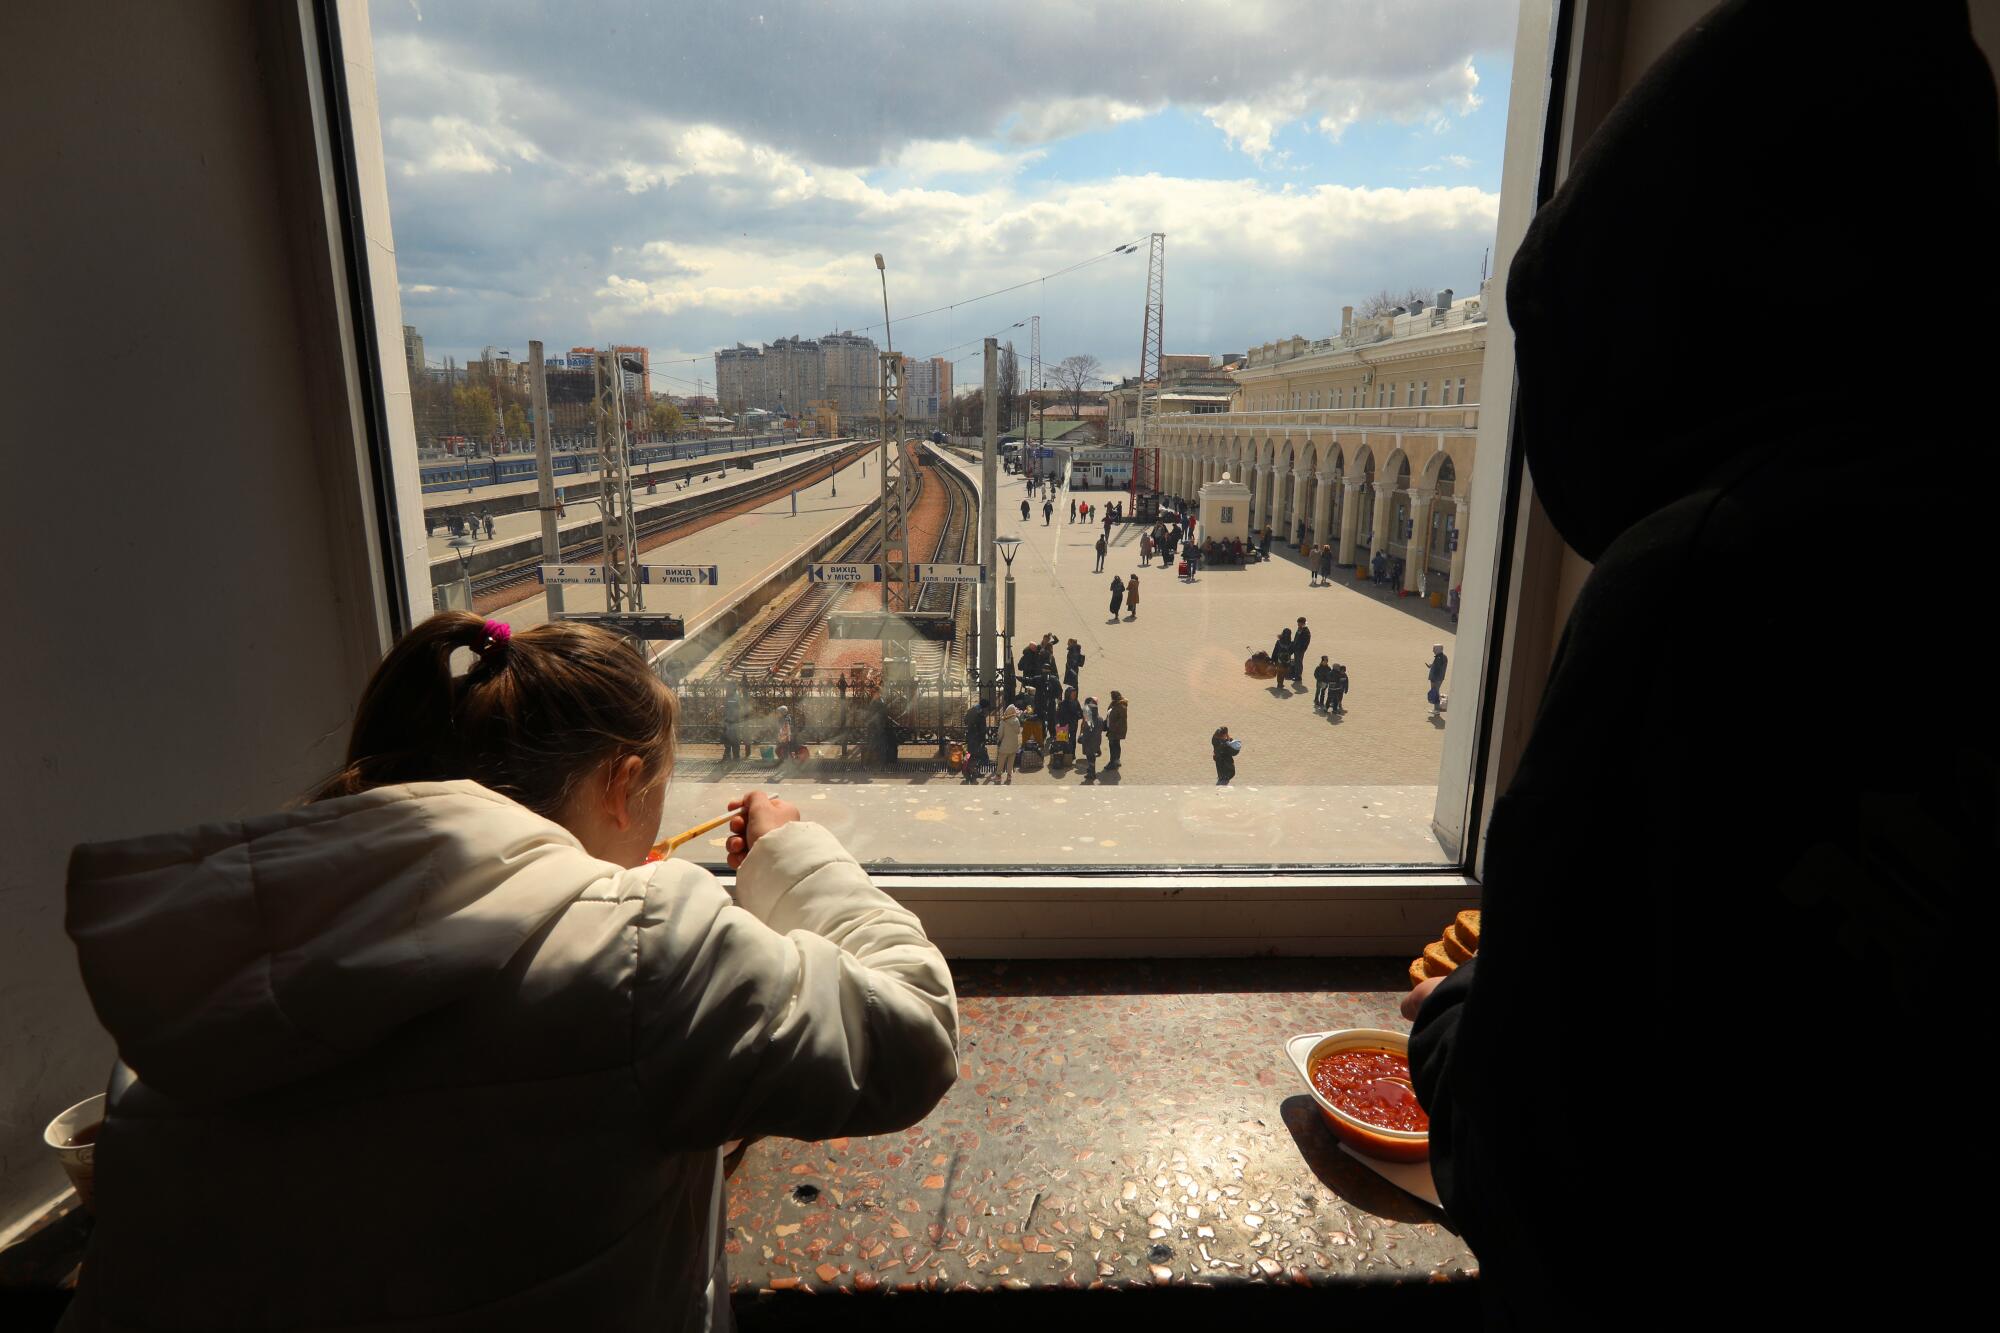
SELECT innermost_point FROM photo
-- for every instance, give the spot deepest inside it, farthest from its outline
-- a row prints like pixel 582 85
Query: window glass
pixel 702 218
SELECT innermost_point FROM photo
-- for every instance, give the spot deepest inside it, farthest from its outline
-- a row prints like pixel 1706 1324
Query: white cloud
pixel 927 158
pixel 1046 121
pixel 729 180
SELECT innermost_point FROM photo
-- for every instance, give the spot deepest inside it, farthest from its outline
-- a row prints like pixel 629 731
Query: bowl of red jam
pixel 1360 1077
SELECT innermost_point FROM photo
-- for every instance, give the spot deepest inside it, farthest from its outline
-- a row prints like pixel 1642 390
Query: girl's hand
pixel 756 815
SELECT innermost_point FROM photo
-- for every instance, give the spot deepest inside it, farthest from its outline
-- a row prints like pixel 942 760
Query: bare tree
pixel 1385 301
pixel 1009 388
pixel 968 412
pixel 1076 375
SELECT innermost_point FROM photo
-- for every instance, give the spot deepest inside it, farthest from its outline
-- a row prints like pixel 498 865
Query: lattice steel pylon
pixel 1151 333
pixel 614 487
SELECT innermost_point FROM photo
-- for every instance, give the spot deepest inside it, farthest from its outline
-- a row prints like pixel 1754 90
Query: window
pixel 870 700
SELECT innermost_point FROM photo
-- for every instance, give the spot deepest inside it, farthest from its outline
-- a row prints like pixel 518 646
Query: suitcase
pixel 1029 760
pixel 1183 569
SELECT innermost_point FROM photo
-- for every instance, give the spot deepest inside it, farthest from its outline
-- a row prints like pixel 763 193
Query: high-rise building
pixel 852 374
pixel 929 392
pixel 640 382
pixel 413 352
pixel 790 374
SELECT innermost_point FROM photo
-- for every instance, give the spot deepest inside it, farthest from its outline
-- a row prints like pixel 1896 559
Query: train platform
pixel 439 503
pixel 582 503
pixel 749 551
pixel 1359 786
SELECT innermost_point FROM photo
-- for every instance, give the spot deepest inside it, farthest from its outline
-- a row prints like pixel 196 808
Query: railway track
pixel 490 590
pixel 792 638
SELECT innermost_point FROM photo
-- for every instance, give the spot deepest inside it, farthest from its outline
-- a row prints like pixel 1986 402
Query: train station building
pixel 1364 439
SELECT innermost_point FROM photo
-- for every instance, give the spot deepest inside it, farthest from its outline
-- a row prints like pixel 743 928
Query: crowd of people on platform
pixel 1041 719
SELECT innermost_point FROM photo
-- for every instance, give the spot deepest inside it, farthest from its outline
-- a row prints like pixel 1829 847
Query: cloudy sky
pixel 686 176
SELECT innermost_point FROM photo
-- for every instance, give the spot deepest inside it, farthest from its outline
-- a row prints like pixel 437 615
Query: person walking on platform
pixel 1101 548
pixel 975 740
pixel 1048 509
pixel 1132 598
pixel 1191 557
pixel 1114 727
pixel 1326 563
pixel 1024 511
pixel 1301 641
pixel 1069 713
pixel 1225 748
pixel 1072 509
pixel 1145 550
pixel 1117 596
pixel 732 725
pixel 787 737
pixel 1091 727
pixel 1073 664
pixel 1009 746
pixel 1322 685
pixel 1437 669
pixel 1339 690
pixel 1281 653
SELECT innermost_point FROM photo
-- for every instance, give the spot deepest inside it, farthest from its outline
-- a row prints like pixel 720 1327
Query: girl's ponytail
pixel 530 716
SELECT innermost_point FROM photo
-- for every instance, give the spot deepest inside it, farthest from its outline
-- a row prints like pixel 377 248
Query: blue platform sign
pixel 859 573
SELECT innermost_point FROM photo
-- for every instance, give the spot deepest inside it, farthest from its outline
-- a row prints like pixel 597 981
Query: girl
pixel 441 1048
pixel 1132 597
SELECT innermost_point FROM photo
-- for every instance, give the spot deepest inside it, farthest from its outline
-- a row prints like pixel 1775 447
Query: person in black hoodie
pixel 1720 1048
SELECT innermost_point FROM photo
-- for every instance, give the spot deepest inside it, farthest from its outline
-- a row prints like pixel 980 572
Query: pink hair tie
pixel 498 632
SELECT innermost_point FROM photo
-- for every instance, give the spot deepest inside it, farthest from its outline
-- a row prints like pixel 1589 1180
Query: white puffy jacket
pixel 413 1059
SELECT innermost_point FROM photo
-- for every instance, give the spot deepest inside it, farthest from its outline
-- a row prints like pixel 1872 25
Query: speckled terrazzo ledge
pixel 1116 1126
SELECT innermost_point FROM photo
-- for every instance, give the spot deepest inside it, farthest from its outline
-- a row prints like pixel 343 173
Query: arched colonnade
pixel 1398 491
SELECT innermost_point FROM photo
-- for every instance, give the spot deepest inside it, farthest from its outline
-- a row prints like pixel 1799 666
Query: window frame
pixel 995 911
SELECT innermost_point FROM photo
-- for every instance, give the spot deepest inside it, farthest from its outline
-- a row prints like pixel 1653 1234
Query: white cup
pixel 73 1136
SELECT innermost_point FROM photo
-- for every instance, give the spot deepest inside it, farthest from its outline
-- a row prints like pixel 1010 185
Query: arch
pixel 1441 479
pixel 1284 488
pixel 1393 507
pixel 1436 465
pixel 1440 475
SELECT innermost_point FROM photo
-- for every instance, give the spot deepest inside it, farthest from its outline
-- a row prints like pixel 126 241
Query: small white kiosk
pixel 1225 510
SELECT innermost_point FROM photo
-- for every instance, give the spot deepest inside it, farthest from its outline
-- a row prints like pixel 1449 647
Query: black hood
pixel 1746 249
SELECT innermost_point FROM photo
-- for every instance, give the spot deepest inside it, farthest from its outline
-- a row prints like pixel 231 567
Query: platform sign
pixel 845 573
pixel 703 575
pixel 949 573
pixel 572 573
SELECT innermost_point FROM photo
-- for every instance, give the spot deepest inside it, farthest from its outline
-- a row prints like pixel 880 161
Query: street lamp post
pixel 1008 548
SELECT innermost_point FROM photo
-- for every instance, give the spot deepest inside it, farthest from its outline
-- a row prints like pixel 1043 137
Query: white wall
pixel 172 608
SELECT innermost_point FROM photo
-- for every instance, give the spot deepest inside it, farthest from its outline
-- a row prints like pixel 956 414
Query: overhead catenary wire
pixel 1125 249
